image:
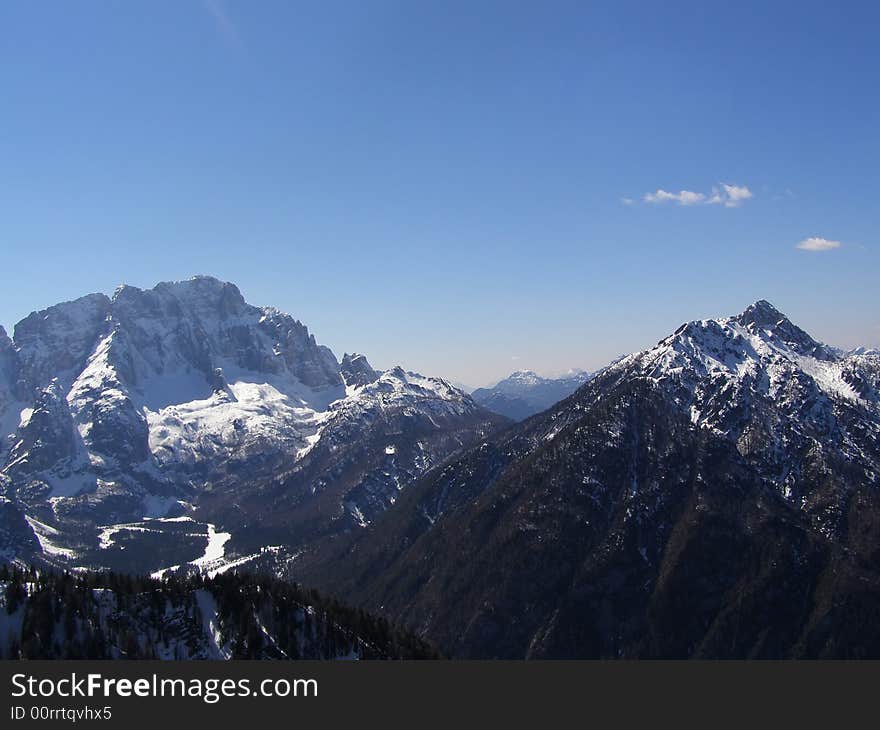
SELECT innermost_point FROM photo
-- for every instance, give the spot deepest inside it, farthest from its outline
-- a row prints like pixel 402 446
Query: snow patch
pixel 211 625
pixel 45 534
pixel 215 549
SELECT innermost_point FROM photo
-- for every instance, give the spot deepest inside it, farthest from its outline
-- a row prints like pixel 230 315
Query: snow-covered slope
pixel 759 379
pixel 117 409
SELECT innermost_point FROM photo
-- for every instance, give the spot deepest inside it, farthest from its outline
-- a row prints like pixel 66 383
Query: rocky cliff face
pixel 154 404
pixel 357 371
pixel 10 403
pixel 56 342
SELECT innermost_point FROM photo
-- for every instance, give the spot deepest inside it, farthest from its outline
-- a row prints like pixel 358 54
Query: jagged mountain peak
pixel 762 317
pixel 64 315
pixel 113 410
pixel 730 373
pixel 202 296
pixel 356 370
pixel 197 282
pixel 58 340
pixel 66 312
pixel 352 357
pixel 529 376
pixel 761 313
pixel 204 288
pixel 760 330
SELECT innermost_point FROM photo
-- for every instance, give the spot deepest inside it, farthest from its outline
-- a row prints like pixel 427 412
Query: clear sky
pixel 466 188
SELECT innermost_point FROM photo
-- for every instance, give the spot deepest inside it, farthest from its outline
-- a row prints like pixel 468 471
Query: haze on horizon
pixel 465 189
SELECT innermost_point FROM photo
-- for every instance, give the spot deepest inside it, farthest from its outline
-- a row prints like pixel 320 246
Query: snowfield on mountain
pixel 184 400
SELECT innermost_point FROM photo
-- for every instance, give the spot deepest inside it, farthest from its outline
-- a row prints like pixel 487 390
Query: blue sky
pixel 445 185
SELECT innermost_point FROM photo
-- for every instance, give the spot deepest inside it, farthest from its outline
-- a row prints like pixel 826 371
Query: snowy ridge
pixel 787 402
pixel 758 351
pixel 114 409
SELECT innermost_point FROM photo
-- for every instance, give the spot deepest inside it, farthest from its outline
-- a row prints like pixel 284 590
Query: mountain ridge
pixel 715 495
pixel 153 403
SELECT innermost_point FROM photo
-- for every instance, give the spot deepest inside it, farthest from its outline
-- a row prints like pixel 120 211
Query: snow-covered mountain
pixel 524 393
pixel 780 395
pixel 717 495
pixel 157 407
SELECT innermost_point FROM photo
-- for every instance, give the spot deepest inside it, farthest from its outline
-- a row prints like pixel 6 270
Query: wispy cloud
pixel 787 194
pixel 815 243
pixel 225 26
pixel 682 197
pixel 730 196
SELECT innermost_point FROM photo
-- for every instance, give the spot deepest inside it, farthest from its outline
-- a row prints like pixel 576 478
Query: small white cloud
pixel 818 244
pixel 627 201
pixel 730 196
pixel 734 195
pixel 682 197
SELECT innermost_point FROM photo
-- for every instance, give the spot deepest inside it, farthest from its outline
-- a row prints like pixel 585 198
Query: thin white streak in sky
pixel 225 27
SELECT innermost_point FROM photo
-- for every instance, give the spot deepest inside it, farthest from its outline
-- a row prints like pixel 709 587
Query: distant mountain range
pixel 525 393
pixel 716 495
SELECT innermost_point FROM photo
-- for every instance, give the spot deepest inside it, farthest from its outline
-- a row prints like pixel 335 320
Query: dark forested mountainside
pixel 57 615
pixel 715 496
